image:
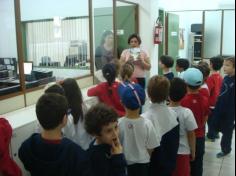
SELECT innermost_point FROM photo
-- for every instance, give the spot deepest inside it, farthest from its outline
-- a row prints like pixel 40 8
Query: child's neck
pixel 133 114
pixel 166 70
pixel 52 135
pixel 174 104
pixel 190 91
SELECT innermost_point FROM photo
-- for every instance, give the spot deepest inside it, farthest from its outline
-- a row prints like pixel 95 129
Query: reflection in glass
pixel 103 32
pixel 56 42
pixel 9 82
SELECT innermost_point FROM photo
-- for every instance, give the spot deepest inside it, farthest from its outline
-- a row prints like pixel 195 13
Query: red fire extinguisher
pixel 158 32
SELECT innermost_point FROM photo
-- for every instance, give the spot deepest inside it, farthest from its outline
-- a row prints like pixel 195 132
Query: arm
pixel 93 92
pixel 118 160
pixel 146 64
pixel 192 144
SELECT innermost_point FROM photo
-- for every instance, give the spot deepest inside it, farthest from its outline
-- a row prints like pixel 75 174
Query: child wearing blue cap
pixel 137 134
pixel 164 120
pixel 200 107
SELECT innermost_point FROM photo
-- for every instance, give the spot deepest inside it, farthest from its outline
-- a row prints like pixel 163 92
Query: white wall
pixel 8 46
pixel 44 9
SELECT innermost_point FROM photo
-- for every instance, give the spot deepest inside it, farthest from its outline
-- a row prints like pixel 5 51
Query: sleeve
pixel 190 122
pixel 93 92
pixel 210 84
pixel 123 56
pixel 118 165
pixel 153 140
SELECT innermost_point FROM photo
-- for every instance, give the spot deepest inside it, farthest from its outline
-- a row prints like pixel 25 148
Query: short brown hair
pixel 99 116
pixel 158 89
pixel 231 59
pixel 127 71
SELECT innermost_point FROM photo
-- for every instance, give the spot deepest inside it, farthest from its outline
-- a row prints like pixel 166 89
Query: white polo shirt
pixel 163 118
pixel 137 136
pixel 187 123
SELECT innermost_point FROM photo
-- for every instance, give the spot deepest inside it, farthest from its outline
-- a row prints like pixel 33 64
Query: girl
pixel 107 92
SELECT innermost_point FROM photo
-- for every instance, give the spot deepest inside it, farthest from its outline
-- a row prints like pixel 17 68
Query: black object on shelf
pixel 196 28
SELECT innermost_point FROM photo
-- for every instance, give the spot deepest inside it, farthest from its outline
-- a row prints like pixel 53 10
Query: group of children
pixel 115 139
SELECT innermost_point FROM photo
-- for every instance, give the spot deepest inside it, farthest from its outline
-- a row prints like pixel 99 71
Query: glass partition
pixel 9 82
pixel 212 33
pixel 103 32
pixel 229 33
pixel 55 39
pixel 126 24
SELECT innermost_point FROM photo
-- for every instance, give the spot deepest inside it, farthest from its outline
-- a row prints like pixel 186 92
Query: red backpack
pixel 7 166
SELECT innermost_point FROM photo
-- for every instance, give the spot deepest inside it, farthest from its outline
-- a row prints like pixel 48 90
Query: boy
pixel 214 83
pixel 182 65
pixel 49 153
pixel 164 120
pixel 205 69
pixel 136 133
pixel 166 63
pixel 105 153
pixel 7 166
pixel 200 108
pixel 224 113
pixel 187 144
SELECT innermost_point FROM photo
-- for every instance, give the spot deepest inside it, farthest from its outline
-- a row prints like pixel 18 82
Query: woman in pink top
pixel 138 57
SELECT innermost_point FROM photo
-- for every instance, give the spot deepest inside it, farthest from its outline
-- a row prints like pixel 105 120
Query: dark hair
pixel 127 71
pixel 51 109
pixel 74 97
pixel 99 116
pixel 183 63
pixel 104 35
pixel 135 36
pixel 158 89
pixel 231 59
pixel 178 89
pixel 168 61
pixel 217 62
pixel 193 87
pixel 109 73
pixel 205 69
pixel 56 88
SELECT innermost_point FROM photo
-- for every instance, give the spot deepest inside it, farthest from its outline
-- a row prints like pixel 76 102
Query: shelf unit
pixel 197 44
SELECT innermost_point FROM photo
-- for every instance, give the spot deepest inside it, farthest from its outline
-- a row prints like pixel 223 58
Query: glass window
pixel 56 41
pixel 9 82
pixel 103 32
pixel 212 33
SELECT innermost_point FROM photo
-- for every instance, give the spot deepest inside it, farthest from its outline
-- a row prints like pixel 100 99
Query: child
pixel 200 108
pixel 49 153
pixel 224 113
pixel 106 157
pixel 164 120
pixel 187 144
pixel 108 92
pixel 74 130
pixel 166 63
pixel 182 65
pixel 7 166
pixel 126 72
pixel 214 83
pixel 205 69
pixel 137 134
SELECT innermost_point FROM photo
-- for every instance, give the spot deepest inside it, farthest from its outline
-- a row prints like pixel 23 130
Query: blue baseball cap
pixel 132 96
pixel 192 77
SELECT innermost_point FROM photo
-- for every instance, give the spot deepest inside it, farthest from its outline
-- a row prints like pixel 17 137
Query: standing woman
pixel 104 53
pixel 138 57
